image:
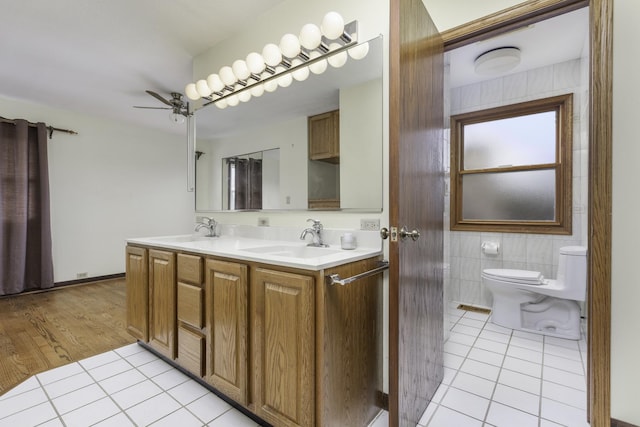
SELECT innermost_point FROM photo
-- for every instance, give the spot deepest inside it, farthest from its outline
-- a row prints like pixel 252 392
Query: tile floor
pixel 493 377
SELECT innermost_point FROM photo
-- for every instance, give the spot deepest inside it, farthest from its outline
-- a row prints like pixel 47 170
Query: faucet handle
pixel 316 223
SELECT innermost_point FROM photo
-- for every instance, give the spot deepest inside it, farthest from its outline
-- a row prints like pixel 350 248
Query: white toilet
pixel 527 301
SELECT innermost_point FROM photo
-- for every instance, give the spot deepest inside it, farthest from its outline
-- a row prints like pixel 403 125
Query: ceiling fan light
pixel 255 63
pixel 240 69
pixel 332 25
pixel 227 76
pixel 203 88
pixel 310 36
pixel 290 46
pixel 272 55
pixel 191 92
pixel 497 61
pixel 177 118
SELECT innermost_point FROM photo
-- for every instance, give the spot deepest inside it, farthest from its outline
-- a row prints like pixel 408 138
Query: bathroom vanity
pixel 257 318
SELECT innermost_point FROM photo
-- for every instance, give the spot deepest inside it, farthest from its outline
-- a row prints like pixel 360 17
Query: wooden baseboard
pixel 618 423
pixel 70 283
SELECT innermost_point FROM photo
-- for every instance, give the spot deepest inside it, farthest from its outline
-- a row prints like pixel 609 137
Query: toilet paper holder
pixel 490 248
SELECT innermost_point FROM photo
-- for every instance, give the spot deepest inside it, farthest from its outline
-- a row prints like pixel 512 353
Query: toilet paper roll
pixel 490 248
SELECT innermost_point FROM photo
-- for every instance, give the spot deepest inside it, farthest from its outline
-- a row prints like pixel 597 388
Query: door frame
pixel 600 171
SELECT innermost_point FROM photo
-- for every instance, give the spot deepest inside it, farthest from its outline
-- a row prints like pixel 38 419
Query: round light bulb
pixel 240 69
pixel 255 63
pixel 332 25
pixel 359 51
pixel 301 73
pixel 271 85
pixel 285 79
pixel 244 96
pixel 318 67
pixel 337 60
pixel 222 104
pixel 290 46
pixel 310 36
pixel 191 92
pixel 233 100
pixel 177 118
pixel 272 55
pixel 214 82
pixel 257 90
pixel 227 76
pixel 203 88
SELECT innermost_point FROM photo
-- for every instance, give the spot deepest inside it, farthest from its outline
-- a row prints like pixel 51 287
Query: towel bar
pixel 334 279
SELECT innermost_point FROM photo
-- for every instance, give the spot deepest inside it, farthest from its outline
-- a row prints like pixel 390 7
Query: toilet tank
pixel 572 272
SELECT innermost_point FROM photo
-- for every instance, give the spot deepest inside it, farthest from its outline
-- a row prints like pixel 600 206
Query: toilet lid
pixel 520 276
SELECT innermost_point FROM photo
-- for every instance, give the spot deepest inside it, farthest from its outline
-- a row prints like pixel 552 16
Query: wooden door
pixel 137 293
pixel 227 328
pixel 416 199
pixel 283 347
pixel 162 302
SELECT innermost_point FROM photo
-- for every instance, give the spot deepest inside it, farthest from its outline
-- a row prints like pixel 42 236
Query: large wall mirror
pixel 256 156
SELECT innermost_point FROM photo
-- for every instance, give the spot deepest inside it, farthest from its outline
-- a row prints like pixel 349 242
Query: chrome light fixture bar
pixel 278 65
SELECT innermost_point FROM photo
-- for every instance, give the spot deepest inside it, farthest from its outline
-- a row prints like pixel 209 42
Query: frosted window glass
pixel 516 141
pixel 521 196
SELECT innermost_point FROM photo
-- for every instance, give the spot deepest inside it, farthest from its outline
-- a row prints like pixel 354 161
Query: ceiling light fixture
pixel 279 65
pixel 497 61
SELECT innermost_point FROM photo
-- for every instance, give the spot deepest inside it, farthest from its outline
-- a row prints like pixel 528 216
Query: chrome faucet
pixel 210 224
pixel 316 231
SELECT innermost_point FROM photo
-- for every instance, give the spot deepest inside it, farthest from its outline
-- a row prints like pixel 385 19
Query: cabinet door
pixel 162 302
pixel 283 347
pixel 227 328
pixel 137 293
pixel 324 137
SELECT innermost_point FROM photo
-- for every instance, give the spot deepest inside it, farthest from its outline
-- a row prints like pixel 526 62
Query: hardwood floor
pixel 50 329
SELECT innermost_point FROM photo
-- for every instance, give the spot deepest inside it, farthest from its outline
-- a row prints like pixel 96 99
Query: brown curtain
pixel 25 234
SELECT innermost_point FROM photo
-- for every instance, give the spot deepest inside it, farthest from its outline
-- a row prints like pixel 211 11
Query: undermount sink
pixel 290 251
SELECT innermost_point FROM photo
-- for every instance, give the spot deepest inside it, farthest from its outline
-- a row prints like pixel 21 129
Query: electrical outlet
pixel 82 275
pixel 263 222
pixel 370 224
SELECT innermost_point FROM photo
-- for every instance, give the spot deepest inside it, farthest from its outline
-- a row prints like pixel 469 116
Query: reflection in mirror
pixel 275 129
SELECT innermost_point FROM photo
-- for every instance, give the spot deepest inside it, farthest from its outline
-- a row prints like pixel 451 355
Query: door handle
pixel 414 234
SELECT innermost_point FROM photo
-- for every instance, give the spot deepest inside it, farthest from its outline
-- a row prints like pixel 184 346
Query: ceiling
pixel 99 57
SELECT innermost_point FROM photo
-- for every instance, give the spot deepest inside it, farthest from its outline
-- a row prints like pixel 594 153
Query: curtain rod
pixel 51 129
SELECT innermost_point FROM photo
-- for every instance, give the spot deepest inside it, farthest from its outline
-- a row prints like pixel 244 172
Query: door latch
pixel 385 233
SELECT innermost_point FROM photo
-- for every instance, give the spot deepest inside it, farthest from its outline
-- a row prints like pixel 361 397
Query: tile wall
pixel 464 260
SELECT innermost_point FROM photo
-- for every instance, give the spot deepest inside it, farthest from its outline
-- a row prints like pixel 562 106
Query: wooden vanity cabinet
pixel 137 268
pixel 162 302
pixel 226 291
pixel 324 136
pixel 190 315
pixel 283 347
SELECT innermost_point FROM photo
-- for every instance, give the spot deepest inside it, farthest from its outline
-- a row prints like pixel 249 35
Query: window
pixel 511 168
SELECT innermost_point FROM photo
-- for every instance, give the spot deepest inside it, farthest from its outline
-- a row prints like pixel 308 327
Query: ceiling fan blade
pixel 153 108
pixel 159 98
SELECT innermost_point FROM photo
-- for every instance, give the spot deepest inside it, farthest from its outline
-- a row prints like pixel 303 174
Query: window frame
pixel 562 223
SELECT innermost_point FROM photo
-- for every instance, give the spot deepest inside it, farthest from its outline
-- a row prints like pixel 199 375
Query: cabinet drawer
pixel 190 269
pixel 191 351
pixel 190 305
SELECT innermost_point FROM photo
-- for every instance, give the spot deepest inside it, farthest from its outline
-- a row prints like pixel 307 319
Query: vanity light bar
pixel 293 59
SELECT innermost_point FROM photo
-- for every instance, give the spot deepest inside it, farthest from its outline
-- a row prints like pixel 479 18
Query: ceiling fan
pixel 180 108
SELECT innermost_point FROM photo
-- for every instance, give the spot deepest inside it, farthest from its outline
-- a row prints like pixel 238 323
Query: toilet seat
pixel 524 277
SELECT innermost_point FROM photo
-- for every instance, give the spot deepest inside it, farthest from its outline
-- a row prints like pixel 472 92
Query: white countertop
pixel 272 245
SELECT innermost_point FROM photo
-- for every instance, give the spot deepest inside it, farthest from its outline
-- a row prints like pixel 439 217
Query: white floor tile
pixel 520 381
pixel 91 414
pixel 170 379
pixel 452 361
pixel 31 416
pixel 524 354
pixel 522 366
pixel 477 316
pixel 547 423
pixel 155 367
pixel 141 358
pixel 483 370
pixel 74 400
pixel 426 416
pixel 187 392
pixel 99 360
pixel 121 381
pixel 181 417
pixel 461 338
pixel 448 375
pixel 208 407
pixel 233 418
pixel 52 423
pixel 474 323
pixel 526 343
pixel 440 391
pixel 473 384
pixel 382 420
pixel 135 394
pixel 110 369
pixel 494 346
pixel 464 329
pixel 565 352
pixel 568 379
pixel 118 420
pixel 504 416
pixel 445 417
pixel 457 349
pixel 528 335
pixel 562 342
pixel 466 403
pixel 563 414
pixel 492 327
pixel 153 409
pixel 566 395
pixel 59 373
pixel 22 401
pixel 130 349
pixel 24 386
pixel 569 365
pixel 486 356
pixel 518 399
pixel 494 336
pixel 67 385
